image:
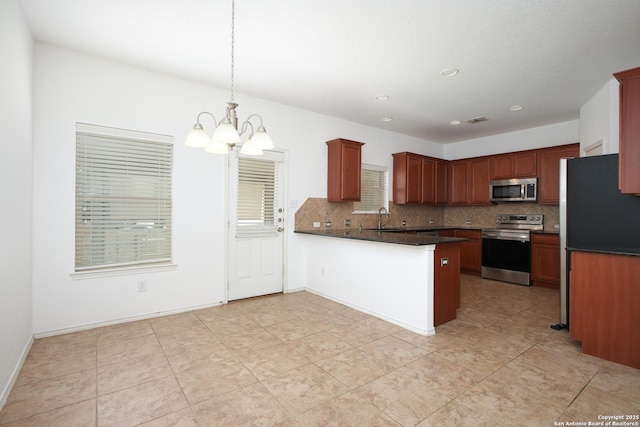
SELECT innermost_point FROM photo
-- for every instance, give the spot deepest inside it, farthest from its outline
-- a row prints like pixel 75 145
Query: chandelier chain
pixel 227 134
pixel 233 20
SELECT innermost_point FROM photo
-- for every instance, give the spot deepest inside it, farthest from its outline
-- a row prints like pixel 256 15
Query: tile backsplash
pixel 322 211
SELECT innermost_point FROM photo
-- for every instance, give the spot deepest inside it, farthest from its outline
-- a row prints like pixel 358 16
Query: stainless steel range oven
pixel 506 249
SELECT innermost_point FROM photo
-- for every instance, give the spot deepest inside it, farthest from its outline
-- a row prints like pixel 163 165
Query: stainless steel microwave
pixel 514 190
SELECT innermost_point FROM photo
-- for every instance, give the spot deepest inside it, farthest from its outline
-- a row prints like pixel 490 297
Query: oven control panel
pixel 532 221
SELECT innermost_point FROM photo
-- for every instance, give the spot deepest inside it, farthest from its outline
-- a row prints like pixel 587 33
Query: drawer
pixel 545 239
pixel 469 234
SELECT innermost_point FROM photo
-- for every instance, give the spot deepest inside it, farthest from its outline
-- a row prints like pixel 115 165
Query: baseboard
pixel 16 371
pixel 411 328
pixel 78 328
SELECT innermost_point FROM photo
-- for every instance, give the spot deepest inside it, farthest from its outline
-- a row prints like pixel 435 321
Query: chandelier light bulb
pixel 217 147
pixel 262 139
pixel 226 133
pixel 251 147
pixel 197 138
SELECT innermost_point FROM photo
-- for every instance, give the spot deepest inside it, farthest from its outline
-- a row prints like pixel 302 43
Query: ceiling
pixel 335 56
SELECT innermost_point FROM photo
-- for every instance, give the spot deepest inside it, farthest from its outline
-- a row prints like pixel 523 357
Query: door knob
pixel 280 229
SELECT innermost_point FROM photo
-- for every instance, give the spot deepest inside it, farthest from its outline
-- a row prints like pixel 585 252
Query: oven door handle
pixel 498 236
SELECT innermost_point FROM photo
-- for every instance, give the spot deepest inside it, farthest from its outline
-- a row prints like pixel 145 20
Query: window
pixel 123 198
pixel 373 190
pixel 257 195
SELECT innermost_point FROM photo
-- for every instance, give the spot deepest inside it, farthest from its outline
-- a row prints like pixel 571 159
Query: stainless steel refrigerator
pixel 594 216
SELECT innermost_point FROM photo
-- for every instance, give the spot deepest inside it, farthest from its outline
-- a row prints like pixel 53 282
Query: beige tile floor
pixel 301 360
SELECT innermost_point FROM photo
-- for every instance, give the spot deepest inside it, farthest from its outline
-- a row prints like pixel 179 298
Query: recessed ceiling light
pixel 387 119
pixel 449 72
pixel 516 107
pixel 382 97
pixel 455 122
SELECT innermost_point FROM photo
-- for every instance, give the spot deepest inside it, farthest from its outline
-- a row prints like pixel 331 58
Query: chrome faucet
pixel 380 216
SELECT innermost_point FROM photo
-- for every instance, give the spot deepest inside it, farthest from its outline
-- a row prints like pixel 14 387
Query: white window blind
pixel 373 190
pixel 123 197
pixel 257 196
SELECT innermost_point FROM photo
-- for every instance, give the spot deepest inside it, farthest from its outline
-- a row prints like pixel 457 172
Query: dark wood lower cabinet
pixel 545 260
pixel 446 281
pixel 604 310
pixel 470 251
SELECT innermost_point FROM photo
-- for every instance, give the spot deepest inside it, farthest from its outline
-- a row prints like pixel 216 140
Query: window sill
pixel 107 272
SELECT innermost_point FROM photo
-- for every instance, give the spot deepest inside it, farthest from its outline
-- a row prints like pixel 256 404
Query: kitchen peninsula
pixel 411 280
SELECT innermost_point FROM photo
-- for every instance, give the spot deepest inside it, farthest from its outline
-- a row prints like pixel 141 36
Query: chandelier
pixel 227 134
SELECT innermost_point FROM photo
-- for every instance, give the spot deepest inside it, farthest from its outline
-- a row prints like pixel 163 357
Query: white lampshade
pixel 262 139
pixel 226 133
pixel 197 138
pixel 217 147
pixel 251 148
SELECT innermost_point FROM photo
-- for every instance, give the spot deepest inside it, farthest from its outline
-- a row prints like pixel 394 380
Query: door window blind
pixel 373 189
pixel 257 195
pixel 123 197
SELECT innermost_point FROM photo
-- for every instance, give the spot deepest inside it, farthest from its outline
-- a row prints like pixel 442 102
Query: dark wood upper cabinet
pixel 428 180
pixel 344 169
pixel 629 178
pixel 434 181
pixel 419 179
pixel 442 182
pixel 549 171
pixel 458 182
pixel 407 178
pixel 502 166
pixel 469 181
pixel 514 165
pixel 478 187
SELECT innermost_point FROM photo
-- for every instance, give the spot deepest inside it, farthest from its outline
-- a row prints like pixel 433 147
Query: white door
pixel 256 224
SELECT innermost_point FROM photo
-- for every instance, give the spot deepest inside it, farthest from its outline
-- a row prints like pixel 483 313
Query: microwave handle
pixel 522 191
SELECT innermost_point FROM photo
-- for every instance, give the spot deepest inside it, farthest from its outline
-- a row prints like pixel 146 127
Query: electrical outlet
pixel 347 222
pixel 316 224
pixel 142 286
pixel 430 221
pixel 327 224
pixel 468 222
pixel 404 222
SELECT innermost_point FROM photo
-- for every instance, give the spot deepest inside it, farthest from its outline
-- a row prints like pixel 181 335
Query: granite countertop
pixel 396 237
pixel 554 231
pixel 435 228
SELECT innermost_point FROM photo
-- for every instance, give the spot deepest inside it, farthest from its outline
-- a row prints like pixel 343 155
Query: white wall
pixel 392 282
pixel 72 87
pixel 599 120
pixel 528 139
pixel 15 192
